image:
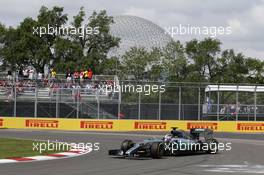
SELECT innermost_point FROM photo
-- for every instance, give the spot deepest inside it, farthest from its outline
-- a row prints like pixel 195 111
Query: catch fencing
pixel 99 99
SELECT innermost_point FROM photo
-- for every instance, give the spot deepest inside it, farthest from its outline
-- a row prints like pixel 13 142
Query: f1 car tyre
pixel 156 150
pixel 213 146
pixel 126 145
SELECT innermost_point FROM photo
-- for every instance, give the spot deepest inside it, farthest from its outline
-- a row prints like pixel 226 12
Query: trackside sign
pixel 203 125
pixel 250 126
pixel 150 125
pixel 42 123
pixel 1 122
pixel 96 125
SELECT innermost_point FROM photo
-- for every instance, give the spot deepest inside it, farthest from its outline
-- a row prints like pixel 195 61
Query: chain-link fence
pixel 199 101
pixel 102 99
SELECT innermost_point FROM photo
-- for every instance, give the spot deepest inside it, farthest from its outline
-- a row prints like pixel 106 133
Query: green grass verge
pixel 10 148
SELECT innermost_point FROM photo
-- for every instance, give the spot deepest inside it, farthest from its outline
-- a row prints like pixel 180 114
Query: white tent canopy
pixel 232 88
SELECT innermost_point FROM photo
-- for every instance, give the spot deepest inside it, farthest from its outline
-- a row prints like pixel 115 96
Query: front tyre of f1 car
pixel 212 146
pixel 126 145
pixel 156 150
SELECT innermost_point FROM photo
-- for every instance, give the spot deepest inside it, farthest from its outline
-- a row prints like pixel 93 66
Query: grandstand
pixel 59 98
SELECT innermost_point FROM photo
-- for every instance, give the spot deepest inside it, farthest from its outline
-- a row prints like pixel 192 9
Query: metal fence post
pixel 237 104
pixel 36 102
pixel 159 115
pixel 13 91
pixel 255 104
pixel 179 109
pixel 199 103
pixel 218 101
pixel 139 106
pixel 119 104
pixel 98 107
pixel 78 102
pixel 57 102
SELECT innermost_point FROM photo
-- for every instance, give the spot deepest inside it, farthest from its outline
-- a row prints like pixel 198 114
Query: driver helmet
pixel 167 137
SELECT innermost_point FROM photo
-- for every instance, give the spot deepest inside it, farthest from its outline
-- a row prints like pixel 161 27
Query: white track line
pixel 236 168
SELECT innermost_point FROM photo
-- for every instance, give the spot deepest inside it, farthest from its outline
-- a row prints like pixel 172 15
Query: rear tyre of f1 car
pixel 212 146
pixel 126 145
pixel 156 150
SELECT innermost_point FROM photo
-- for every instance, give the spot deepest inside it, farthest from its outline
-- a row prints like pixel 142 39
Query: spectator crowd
pixel 28 79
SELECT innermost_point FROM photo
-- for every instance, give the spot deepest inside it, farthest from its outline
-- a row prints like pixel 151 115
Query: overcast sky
pixel 246 17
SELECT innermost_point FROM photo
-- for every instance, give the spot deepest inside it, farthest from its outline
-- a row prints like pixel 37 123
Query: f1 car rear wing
pixel 197 132
pixel 201 130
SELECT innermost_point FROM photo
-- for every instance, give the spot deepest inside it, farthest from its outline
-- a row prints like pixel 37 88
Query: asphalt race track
pixel 246 156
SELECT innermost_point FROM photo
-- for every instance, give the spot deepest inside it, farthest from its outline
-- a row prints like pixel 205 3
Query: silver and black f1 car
pixel 197 140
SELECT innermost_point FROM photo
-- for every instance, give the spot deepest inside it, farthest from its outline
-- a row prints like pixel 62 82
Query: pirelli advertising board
pixel 1 123
pixel 250 127
pixel 36 123
pixel 203 125
pixel 149 126
pixel 95 125
pixel 126 125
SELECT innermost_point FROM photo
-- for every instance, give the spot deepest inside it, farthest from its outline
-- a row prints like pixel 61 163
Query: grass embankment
pixel 13 148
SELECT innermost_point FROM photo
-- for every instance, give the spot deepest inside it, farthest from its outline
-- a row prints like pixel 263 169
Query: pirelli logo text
pixel 97 125
pixel 250 126
pixel 150 125
pixel 1 122
pixel 203 125
pixel 42 123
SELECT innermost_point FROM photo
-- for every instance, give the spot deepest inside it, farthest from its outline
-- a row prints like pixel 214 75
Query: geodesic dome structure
pixel 137 32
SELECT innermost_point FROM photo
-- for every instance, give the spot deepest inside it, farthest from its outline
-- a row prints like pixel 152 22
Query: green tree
pixel 34 48
pixel 155 68
pixel 111 66
pixel 54 46
pixel 203 54
pixel 54 19
pixel 255 70
pixel 2 32
pixel 94 47
pixel 232 68
pixel 174 61
pixel 136 62
pixel 12 52
pixel 24 47
pixel 2 35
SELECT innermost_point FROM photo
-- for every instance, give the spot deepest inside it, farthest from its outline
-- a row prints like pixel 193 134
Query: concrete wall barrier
pixel 127 125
